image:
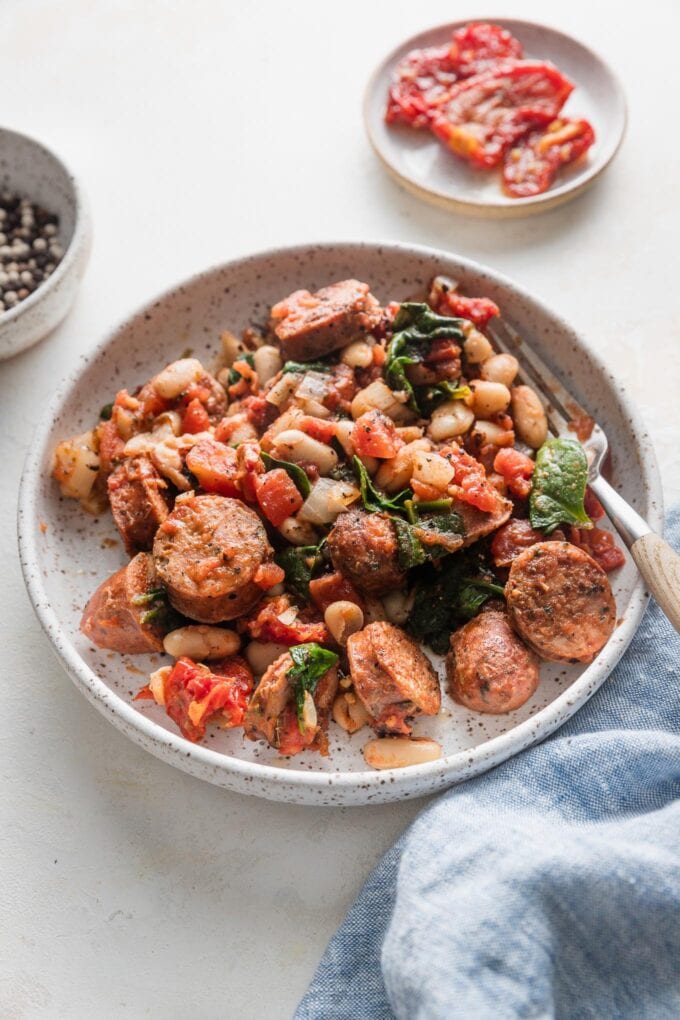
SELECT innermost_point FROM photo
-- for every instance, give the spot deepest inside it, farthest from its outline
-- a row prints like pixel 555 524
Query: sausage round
pixel 392 676
pixel 364 548
pixel 312 325
pixel 207 554
pixel 560 602
pixel 138 504
pixel 488 668
pixel 115 615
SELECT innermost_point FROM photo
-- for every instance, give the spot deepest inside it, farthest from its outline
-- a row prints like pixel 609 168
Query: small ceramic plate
pixel 66 553
pixel 423 164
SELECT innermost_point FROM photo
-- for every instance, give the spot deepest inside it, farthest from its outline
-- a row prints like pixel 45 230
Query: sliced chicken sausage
pixel 309 326
pixel 488 668
pixel 138 503
pixel 392 677
pixel 119 614
pixel 364 549
pixel 207 553
pixel 560 602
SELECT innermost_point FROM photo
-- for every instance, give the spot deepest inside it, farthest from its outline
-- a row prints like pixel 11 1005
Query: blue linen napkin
pixel 548 887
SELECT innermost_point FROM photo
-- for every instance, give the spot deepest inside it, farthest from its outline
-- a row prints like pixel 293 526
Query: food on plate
pixel 392 677
pixel 560 602
pixel 491 107
pixel 489 668
pixel 355 487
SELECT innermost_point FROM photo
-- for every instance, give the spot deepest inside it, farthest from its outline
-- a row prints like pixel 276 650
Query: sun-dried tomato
pixel 532 165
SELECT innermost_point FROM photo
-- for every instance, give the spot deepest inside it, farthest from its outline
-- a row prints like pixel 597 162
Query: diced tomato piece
pixel 532 165
pixel 374 435
pixel 249 467
pixel 318 428
pixel 152 403
pixel 268 574
pixel 600 545
pixel 515 536
pixel 111 445
pixel 333 588
pixel 195 418
pixel 486 114
pixel 279 620
pixel 237 428
pixel 278 496
pixel 424 492
pixel 195 693
pixel 479 45
pixel 259 411
pixel 342 388
pixel 517 470
pixel 470 483
pixel 477 309
pixel 215 467
pixel 592 505
pixel 290 739
pixel 583 426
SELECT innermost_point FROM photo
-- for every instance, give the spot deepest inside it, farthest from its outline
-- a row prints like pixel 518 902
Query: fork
pixel 657 562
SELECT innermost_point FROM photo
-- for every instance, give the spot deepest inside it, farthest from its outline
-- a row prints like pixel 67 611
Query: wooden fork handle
pixel 659 565
pixel 657 562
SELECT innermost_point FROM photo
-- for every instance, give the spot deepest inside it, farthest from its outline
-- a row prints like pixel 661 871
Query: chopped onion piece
pixel 327 499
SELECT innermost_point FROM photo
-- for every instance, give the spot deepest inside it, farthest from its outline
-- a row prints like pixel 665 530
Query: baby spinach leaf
pixel 294 471
pixel 299 562
pixel 559 485
pixel 430 397
pixel 374 501
pixel 106 412
pixel 410 551
pixel 310 663
pixel 416 326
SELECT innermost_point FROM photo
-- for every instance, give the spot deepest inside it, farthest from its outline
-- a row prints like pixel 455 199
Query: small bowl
pixel 31 170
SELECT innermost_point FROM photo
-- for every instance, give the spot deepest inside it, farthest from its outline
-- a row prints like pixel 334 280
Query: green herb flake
pixel 306 366
pixel 234 374
pixel 294 471
pixel 106 412
pixel 558 486
pixel 310 663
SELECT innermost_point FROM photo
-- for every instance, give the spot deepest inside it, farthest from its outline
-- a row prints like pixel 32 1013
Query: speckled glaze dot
pixel 66 553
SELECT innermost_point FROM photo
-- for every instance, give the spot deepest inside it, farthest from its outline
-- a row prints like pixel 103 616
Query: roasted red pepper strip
pixel 532 165
pixel 486 114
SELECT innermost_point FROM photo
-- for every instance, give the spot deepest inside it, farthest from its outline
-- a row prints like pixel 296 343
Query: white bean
pixel 531 423
pixel 178 377
pixel 296 446
pixel 349 713
pixel 379 396
pixel 398 605
pixel 168 423
pixel 200 641
pixel 298 532
pixel 501 368
pixel 488 432
pixel 431 469
pixel 232 348
pixel 450 419
pixel 267 362
pixel 400 752
pixel 357 355
pixel 76 465
pixel 261 654
pixel 489 398
pixel 343 618
pixel 409 433
pixel 476 347
pixel 393 475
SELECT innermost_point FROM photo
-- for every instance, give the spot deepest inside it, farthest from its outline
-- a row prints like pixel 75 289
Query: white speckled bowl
pixel 66 553
pixel 31 170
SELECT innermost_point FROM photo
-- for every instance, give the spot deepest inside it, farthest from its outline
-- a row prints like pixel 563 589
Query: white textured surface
pixel 133 890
